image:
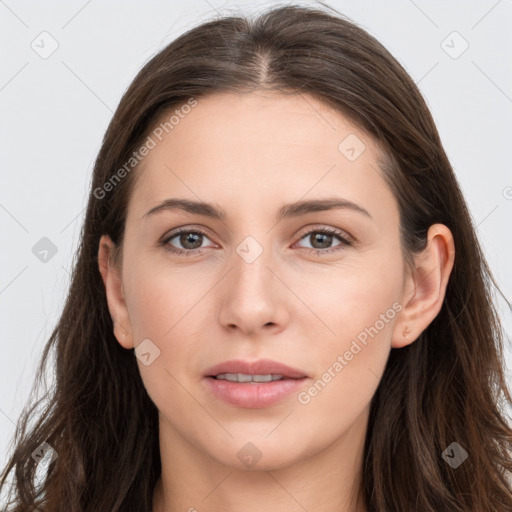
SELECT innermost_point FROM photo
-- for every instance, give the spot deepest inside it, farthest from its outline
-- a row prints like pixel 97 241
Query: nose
pixel 253 298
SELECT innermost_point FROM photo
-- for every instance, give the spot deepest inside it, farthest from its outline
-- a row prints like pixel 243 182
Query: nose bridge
pixel 250 259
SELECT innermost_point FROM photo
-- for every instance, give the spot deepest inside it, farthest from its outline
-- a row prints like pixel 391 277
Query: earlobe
pixel 426 286
pixel 112 281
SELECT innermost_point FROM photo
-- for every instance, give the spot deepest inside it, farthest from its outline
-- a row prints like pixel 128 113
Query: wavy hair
pixel 448 386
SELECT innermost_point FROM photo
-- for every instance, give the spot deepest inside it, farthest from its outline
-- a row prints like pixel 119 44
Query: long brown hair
pixel 446 387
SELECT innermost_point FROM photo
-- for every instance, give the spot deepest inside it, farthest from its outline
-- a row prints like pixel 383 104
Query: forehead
pixel 232 123
pixel 259 146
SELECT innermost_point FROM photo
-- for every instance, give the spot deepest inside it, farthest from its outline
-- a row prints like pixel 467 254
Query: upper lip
pixel 260 367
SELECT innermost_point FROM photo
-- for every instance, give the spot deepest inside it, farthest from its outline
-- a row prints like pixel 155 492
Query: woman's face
pixel 264 281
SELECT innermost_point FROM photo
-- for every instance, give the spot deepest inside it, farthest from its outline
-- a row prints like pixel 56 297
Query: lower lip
pixel 254 395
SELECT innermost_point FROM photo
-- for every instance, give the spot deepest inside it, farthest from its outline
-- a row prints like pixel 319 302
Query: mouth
pixel 263 370
pixel 253 385
pixel 247 377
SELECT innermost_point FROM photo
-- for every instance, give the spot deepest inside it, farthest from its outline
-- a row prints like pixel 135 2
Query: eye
pixel 321 240
pixel 189 239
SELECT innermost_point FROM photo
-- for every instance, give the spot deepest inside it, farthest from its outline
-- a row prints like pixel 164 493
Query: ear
pixel 111 275
pixel 425 287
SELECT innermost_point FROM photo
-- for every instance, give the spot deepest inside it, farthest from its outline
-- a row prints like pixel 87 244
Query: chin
pixel 258 454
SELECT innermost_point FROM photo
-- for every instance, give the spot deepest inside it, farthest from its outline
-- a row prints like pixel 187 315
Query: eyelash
pixel 345 240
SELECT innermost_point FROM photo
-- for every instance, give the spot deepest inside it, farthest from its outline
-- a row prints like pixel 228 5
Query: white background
pixel 54 112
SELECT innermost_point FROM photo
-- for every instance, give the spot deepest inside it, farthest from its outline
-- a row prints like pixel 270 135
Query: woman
pixel 279 301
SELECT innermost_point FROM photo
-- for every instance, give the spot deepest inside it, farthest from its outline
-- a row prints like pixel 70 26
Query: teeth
pixel 244 377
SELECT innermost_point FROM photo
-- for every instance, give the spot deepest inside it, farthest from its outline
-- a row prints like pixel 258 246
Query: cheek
pixel 165 307
pixel 356 296
pixel 349 365
pixel 169 307
pixel 162 301
pixel 360 308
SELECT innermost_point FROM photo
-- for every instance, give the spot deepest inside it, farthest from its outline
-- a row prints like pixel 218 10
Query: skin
pixel 250 154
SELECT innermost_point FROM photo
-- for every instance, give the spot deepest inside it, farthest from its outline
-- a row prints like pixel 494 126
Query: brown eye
pixel 321 240
pixel 190 240
pixel 185 242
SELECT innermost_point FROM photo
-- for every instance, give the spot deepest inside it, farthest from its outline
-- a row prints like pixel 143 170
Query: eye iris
pixel 194 238
pixel 325 240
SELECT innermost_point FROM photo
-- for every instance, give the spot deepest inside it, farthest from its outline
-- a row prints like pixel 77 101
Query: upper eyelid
pixel 186 229
pixel 329 229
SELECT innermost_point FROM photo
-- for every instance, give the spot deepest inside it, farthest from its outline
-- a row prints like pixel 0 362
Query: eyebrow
pixel 287 211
